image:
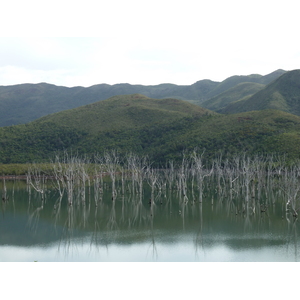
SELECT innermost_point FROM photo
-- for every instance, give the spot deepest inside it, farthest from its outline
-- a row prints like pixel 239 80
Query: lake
pixel 160 225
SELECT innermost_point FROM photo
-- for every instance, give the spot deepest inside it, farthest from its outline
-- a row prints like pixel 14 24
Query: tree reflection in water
pixel 214 202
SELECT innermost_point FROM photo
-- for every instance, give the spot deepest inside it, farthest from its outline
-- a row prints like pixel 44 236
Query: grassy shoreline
pixel 20 169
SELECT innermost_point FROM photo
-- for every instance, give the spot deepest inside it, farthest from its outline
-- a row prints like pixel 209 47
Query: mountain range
pixel 20 104
pixel 255 116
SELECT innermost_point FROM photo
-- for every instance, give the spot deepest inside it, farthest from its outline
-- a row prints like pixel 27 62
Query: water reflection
pixel 153 226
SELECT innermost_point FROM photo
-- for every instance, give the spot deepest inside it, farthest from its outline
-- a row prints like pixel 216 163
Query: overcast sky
pixel 83 43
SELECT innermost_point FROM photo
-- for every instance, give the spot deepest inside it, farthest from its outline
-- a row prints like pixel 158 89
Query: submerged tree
pixel 245 183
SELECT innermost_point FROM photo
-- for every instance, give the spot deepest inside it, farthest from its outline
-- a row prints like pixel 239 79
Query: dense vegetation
pixel 161 129
pixel 124 122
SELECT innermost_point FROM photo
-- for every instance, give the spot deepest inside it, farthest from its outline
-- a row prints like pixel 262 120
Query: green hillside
pixel 234 94
pixel 124 112
pixel 95 126
pixel 235 80
pixel 23 103
pixel 20 104
pixel 282 94
pixel 161 129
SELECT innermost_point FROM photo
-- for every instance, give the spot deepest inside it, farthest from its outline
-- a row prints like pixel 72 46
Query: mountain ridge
pixel 238 92
pixel 282 94
pixel 20 104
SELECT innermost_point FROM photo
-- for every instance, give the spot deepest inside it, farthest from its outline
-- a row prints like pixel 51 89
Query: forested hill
pixel 159 128
pixel 124 112
pixel 20 104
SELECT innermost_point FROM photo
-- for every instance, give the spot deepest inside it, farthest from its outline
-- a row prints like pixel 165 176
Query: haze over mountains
pixel 257 117
pixel 23 103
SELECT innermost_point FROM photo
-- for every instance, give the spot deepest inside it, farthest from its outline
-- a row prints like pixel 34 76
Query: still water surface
pixel 130 229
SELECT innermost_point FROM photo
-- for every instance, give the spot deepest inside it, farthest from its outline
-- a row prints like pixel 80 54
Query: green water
pixel 172 228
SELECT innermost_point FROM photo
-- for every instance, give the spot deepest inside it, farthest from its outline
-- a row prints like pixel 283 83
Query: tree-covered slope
pixel 282 94
pixel 124 112
pixel 100 121
pixel 268 131
pixel 161 129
